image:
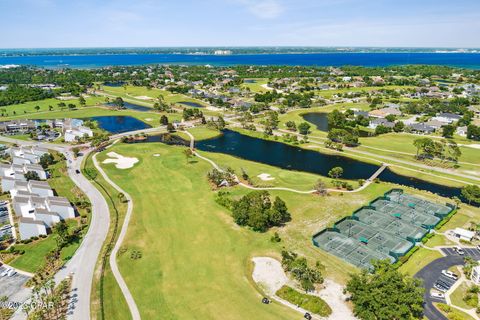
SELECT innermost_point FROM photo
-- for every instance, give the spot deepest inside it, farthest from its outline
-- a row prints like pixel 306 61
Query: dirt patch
pixel 268 274
pixel 265 177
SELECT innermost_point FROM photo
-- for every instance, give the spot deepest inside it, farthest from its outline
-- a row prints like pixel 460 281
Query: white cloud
pixel 264 9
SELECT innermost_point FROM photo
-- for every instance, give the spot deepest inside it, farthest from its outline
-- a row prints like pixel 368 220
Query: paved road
pixel 433 272
pixel 82 265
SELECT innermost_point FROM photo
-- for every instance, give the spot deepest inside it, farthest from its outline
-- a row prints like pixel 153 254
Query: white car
pixel 5 272
pixel 459 251
pixel 449 274
pixel 437 295
pixel 11 273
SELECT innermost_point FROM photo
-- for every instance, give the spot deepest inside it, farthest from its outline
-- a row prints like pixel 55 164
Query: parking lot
pixel 11 286
pixel 472 252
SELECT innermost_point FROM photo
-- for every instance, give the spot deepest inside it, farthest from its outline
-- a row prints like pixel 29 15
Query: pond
pixel 192 104
pixel 132 106
pixel 319 119
pixel 119 124
pixel 114 84
pixel 294 158
pixel 250 81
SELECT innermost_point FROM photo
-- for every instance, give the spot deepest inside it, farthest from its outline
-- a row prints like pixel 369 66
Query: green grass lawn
pixel 257 85
pixel 310 303
pixel 419 260
pixel 133 92
pixel 458 295
pixel 200 133
pixel 194 259
pixel 452 313
pixel 27 109
pixel 193 255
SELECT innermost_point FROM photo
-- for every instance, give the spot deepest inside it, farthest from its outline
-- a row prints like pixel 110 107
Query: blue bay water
pixel 463 60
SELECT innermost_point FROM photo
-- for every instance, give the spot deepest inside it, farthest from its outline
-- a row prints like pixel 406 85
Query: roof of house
pixel 30 221
pixel 464 233
pixel 449 115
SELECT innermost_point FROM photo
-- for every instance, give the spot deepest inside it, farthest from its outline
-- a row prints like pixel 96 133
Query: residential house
pixel 462 131
pixel 447 117
pixel 421 128
pixel 29 227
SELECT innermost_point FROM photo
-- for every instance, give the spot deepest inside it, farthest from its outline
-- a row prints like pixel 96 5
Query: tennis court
pixel 385 229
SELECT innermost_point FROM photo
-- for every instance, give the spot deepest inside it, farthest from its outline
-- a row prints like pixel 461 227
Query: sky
pixel 159 23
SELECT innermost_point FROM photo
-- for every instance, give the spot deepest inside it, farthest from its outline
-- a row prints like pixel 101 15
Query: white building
pixel 79 132
pixel 28 227
pixel 463 234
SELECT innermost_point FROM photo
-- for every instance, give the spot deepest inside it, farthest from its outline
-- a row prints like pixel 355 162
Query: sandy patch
pixel 144 98
pixel 474 146
pixel 265 177
pixel 148 119
pixel 334 297
pixel 156 155
pixel 120 161
pixel 269 274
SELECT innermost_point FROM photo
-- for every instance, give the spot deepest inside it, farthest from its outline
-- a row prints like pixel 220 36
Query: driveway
pixel 433 272
pixel 14 288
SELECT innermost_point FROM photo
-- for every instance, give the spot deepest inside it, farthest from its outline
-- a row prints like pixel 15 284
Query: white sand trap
pixel 156 155
pixel 144 98
pixel 148 119
pixel 120 161
pixel 265 177
pixel 269 274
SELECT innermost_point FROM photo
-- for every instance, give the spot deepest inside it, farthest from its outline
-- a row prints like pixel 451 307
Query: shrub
pixel 310 303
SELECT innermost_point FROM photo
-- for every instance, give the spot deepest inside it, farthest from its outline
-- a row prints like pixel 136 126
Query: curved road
pixel 429 274
pixel 81 266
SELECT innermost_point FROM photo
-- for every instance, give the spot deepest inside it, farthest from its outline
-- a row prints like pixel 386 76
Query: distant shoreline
pixel 84 60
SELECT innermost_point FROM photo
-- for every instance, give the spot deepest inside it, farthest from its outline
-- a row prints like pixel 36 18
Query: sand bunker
pixel 156 155
pixel 265 177
pixel 144 98
pixel 269 274
pixel 148 119
pixel 120 161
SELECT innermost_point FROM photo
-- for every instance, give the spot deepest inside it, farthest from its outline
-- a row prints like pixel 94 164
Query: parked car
pixel 77 171
pixel 440 287
pixel 307 316
pixel 459 250
pixel 265 301
pixel 437 295
pixel 3 203
pixel 11 273
pixel 449 274
pixel 5 272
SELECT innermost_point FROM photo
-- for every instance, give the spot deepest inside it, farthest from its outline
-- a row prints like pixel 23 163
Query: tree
pixel 336 119
pixel 256 211
pixel 320 187
pixel 448 131
pixel 300 270
pixel 188 154
pixel 471 193
pixel 37 108
pixel 385 294
pixel 76 151
pixel 46 160
pixel 163 120
pixel 303 128
pixel 399 126
pixel 291 125
pixel 32 175
pixel 118 102
pixel 61 230
pixel 335 172
pixel 82 101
